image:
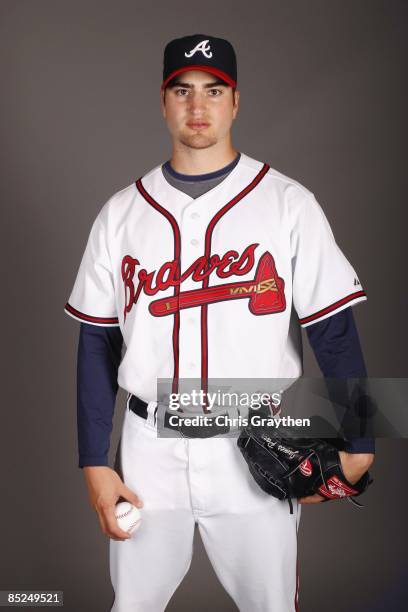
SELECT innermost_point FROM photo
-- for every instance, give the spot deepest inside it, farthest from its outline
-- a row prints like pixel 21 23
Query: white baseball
pixel 128 516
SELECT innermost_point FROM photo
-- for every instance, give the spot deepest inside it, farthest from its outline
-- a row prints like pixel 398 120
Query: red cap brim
pixel 219 73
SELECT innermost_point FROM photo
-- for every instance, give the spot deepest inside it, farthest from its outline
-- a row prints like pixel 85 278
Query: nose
pixel 196 103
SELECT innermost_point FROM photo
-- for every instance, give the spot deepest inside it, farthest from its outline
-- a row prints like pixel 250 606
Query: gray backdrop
pixel 323 100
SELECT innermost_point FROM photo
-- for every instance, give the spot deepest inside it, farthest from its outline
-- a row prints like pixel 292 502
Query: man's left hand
pixel 354 465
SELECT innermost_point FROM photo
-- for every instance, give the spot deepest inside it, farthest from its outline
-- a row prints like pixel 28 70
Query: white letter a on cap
pixel 202 46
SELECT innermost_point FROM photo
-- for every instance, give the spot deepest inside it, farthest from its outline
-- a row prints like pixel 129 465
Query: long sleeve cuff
pixel 360 445
pixel 88 461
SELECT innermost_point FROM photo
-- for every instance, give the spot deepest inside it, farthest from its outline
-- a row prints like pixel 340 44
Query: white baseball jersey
pixel 212 287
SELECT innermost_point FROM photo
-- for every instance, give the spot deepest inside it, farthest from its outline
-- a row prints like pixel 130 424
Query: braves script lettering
pixel 168 275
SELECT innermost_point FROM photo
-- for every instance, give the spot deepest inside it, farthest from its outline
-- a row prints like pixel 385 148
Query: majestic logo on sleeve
pixel 265 291
pixel 202 46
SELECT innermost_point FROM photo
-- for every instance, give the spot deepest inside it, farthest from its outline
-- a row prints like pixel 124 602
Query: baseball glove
pixel 288 467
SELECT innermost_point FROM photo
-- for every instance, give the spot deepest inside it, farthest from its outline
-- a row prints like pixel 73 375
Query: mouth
pixel 197 125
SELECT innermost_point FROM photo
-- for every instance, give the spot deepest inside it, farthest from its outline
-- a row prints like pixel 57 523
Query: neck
pixel 186 160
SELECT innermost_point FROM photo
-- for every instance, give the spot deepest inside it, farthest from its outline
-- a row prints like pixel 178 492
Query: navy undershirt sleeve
pixel 99 356
pixel 337 349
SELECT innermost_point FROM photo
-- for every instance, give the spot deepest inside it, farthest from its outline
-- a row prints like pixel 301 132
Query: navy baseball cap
pixel 200 52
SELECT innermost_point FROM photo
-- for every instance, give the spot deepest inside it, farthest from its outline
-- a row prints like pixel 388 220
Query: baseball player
pixel 205 267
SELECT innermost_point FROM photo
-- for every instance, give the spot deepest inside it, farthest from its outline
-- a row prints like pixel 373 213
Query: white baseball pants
pixel 250 537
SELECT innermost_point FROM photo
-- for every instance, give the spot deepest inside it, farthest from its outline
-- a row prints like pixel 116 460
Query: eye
pixel 181 92
pixel 215 92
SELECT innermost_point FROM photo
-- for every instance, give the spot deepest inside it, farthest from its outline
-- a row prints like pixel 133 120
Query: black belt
pixel 139 407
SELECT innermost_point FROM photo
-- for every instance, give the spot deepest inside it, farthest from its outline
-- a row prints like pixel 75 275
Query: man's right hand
pixel 105 488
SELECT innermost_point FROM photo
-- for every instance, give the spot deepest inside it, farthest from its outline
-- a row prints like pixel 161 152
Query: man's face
pixel 199 109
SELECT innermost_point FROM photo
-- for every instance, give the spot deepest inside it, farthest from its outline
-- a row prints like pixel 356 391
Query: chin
pixel 198 141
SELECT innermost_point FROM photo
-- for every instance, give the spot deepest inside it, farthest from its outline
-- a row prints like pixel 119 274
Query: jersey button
pixel 194 242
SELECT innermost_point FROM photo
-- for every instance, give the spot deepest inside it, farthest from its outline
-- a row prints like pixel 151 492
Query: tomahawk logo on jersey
pixel 187 279
pixel 266 283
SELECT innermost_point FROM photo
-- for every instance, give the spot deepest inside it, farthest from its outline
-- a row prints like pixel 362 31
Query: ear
pixel 163 102
pixel 235 103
